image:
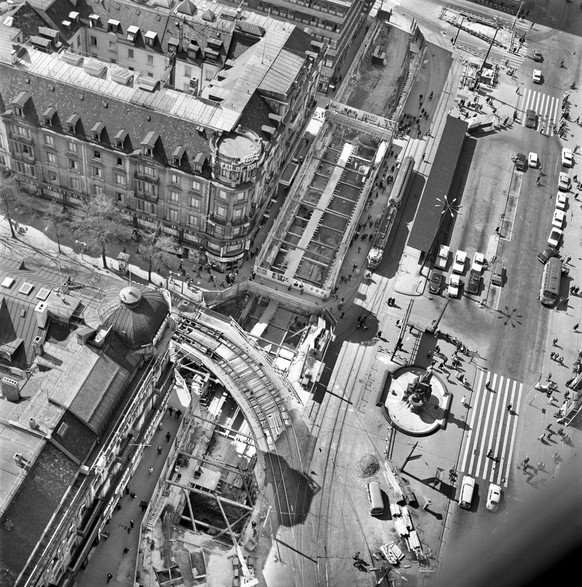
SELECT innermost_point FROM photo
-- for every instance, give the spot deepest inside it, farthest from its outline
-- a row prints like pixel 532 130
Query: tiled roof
pixel 74 436
pixel 27 19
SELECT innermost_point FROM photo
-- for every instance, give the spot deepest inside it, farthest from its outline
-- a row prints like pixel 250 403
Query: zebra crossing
pixel 545 106
pixel 492 428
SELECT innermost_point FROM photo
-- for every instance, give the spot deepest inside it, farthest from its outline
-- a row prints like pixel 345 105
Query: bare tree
pixel 58 219
pixel 155 248
pixel 99 224
pixel 10 196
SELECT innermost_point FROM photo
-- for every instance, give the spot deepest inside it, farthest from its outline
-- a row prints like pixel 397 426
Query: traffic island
pixel 417 401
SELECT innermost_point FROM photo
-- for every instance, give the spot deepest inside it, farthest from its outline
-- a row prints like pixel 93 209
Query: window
pixel 119 162
pixel 196 185
pixel 96 154
pixel 18 111
pixel 119 179
pixel 130 53
pixel 146 170
pixel 97 172
pixel 174 196
pixel 187 71
pixel 75 184
pixel 238 213
pixel 195 203
pixel 221 211
pixel 147 151
pixel 71 147
pixel 74 165
pixel 173 215
pixel 2 161
pixel 78 40
pixel 193 220
pixel 174 178
pixel 22 131
pixel 120 196
pixel 93 41
pixel 52 176
pixel 150 59
pixel 51 158
pixel 25 169
pixel 112 43
pixel 98 190
pixel 145 206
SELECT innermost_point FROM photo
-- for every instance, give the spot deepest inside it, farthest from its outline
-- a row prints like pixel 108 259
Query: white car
pixel 493 497
pixel 443 257
pixel 558 218
pixel 478 262
pixel 533 160
pixel 567 157
pixel 561 201
pixel 537 76
pixel 555 237
pixel 459 263
pixel 454 287
pixel 564 182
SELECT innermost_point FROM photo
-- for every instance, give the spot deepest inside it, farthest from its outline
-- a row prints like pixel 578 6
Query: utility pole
pixel 488 50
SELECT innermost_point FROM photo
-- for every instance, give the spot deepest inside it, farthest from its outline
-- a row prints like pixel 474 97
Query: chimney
pixel 32 423
pixel 10 389
pixel 41 311
pixel 37 346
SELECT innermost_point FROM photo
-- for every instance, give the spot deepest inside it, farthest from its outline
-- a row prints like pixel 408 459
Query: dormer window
pixel 19 102
pixel 113 25
pixel 73 16
pixel 173 45
pixel 72 123
pixel 177 156
pixel 97 131
pixel 18 111
pixel 150 38
pixel 149 143
pixel 120 139
pixel 94 20
pixel 48 116
pixel 132 33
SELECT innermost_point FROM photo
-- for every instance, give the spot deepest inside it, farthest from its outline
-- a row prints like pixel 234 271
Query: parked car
pixel 561 201
pixel 555 237
pixel 537 55
pixel 493 497
pixel 474 283
pixel 478 262
pixel 454 288
pixel 435 282
pixel 533 160
pixel 537 76
pixel 558 218
pixel 567 157
pixel 547 254
pixel 459 263
pixel 497 274
pixel 531 119
pixel 520 162
pixel 564 182
pixel 442 258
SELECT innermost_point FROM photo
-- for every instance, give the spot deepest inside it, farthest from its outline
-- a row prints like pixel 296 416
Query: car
pixel 537 55
pixel 478 262
pixel 442 258
pixel 567 157
pixel 459 262
pixel 497 274
pixel 474 283
pixel 564 182
pixel 533 160
pixel 455 285
pixel 520 162
pixel 435 281
pixel 558 218
pixel 531 119
pixel 555 237
pixel 561 201
pixel 537 76
pixel 547 254
pixel 493 497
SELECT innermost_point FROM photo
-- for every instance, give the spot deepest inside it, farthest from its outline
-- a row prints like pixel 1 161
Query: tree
pixel 57 219
pixel 155 248
pixel 10 196
pixel 98 224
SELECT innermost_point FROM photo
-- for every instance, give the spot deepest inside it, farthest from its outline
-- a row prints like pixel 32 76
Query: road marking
pixel 546 107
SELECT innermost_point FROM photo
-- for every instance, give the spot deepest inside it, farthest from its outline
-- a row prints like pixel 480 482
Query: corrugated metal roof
pixel 438 184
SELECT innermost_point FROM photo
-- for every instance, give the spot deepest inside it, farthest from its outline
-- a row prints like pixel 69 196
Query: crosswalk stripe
pixel 545 106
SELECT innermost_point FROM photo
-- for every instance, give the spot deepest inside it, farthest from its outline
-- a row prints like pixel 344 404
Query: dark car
pixel 435 282
pixel 531 119
pixel 497 274
pixel 474 283
pixel 547 254
pixel 520 162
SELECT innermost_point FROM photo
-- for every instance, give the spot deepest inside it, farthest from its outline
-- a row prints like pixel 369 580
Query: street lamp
pixel 84 245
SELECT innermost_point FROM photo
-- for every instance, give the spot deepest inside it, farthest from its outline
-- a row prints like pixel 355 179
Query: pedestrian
pixel 109 577
pixel 151 470
pixel 379 335
pixel 131 523
pixel 463 400
pixel 542 438
pixel 549 428
pixel 132 495
pixel 342 314
pixel 556 457
pixel 561 360
pixel 171 410
pixel 576 326
pixel 489 453
pixel 429 354
pixel 178 414
pixel 125 550
pixel 541 466
pixel 159 450
pixel 168 436
pixel 509 407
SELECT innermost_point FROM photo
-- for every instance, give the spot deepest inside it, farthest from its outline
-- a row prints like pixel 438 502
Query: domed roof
pixel 138 316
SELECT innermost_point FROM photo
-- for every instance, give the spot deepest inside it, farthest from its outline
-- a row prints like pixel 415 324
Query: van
pixel 467 489
pixel 375 498
pixel 550 288
pixel 497 274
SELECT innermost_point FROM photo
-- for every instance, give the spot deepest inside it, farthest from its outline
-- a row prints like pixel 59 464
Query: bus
pixel 550 288
pixel 375 500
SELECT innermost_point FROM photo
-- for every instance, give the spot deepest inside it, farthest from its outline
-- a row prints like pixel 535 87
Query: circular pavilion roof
pixel 138 315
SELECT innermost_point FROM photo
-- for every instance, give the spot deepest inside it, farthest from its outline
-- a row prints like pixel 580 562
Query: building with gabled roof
pixel 182 115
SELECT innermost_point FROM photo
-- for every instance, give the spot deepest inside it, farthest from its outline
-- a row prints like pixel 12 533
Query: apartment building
pixel 331 23
pixel 184 116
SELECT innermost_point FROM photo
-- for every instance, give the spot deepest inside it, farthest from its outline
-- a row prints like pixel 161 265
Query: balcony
pixel 148 197
pixel 145 177
pixel 25 157
pixel 19 138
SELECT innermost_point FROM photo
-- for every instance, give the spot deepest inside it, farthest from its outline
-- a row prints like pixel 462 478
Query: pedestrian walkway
pixel 546 107
pixel 492 426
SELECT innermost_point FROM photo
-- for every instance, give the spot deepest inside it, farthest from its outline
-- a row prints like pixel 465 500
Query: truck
pixel 474 283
